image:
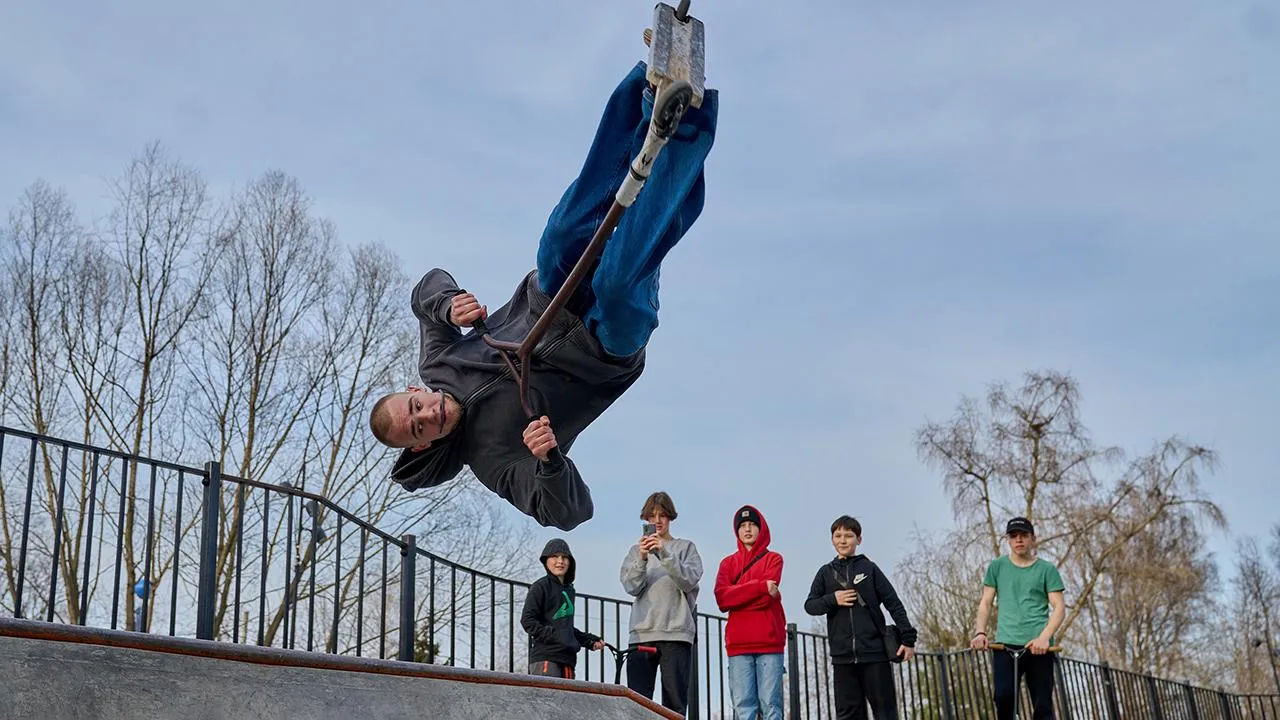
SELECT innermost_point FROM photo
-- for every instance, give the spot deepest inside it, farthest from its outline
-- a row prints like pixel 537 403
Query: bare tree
pixel 253 372
pixel 1025 452
pixel 167 235
pixel 92 318
pixel 1095 535
pixel 939 585
pixel 42 231
pixel 8 308
pixel 92 315
pixel 1151 609
pixel 1255 622
pixel 242 332
pixel 1018 454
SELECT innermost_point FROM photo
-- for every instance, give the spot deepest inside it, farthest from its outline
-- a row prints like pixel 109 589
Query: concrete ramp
pixel 70 672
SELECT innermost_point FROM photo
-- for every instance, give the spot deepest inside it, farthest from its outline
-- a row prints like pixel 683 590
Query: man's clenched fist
pixel 465 309
pixel 539 438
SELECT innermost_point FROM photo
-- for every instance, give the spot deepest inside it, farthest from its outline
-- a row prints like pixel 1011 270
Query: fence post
pixel 948 712
pixel 793 670
pixel 1191 700
pixel 1226 704
pixel 692 710
pixel 209 527
pixel 408 581
pixel 1109 684
pixel 1060 682
pixel 1153 695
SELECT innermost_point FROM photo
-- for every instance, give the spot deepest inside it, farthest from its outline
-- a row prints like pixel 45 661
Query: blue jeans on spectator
pixel 621 296
pixel 755 684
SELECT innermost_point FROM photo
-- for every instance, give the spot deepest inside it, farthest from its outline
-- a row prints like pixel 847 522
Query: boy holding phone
pixel 662 572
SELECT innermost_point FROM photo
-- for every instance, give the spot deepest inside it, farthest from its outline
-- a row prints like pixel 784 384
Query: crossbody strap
pixel 746 567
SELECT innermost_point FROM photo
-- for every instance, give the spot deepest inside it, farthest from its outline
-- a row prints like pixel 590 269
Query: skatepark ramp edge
pixel 71 671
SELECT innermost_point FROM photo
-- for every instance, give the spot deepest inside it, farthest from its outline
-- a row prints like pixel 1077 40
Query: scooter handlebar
pixel 637 648
pixel 1002 646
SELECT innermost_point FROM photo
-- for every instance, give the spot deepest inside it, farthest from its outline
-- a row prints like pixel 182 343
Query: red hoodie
pixel 757 623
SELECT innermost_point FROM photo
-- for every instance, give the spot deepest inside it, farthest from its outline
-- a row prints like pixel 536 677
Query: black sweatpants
pixel 675 659
pixel 1038 671
pixel 857 684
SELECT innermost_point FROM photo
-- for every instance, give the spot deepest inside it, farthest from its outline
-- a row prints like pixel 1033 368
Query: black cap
pixel 1019 524
pixel 746 513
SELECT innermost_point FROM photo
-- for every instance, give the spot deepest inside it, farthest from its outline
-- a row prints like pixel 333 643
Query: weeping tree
pixel 1025 451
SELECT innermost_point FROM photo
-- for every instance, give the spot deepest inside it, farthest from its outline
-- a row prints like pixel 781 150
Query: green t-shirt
pixel 1022 595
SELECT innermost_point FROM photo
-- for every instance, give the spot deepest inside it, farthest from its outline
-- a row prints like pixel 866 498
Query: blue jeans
pixel 755 683
pixel 620 300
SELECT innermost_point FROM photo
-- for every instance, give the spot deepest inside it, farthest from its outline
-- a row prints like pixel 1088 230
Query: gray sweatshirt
pixel 666 592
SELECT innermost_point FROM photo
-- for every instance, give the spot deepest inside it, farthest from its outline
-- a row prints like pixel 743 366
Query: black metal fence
pixel 92 536
pixel 957 686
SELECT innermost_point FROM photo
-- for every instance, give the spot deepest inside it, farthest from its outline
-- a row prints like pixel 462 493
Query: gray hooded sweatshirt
pixel 666 591
pixel 572 382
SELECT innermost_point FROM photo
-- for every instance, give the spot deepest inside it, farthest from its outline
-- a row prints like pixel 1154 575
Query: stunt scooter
pixel 1017 653
pixel 620 658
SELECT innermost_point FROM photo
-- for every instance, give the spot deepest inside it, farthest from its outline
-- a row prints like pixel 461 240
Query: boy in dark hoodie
pixel 548 616
pixel 850 591
pixel 755 635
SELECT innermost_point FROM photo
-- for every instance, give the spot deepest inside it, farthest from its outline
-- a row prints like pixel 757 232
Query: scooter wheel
pixel 670 107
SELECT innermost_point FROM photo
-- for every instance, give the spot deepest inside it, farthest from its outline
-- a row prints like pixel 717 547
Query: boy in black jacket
pixel 850 591
pixel 548 616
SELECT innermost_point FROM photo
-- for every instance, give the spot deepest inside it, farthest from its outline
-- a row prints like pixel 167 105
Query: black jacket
pixel 573 382
pixel 856 634
pixel 548 614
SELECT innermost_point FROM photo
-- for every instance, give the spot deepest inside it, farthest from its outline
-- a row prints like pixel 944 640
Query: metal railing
pixel 92 536
pixel 957 685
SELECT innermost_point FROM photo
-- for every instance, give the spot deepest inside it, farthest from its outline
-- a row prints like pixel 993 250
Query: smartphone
pixel 649 529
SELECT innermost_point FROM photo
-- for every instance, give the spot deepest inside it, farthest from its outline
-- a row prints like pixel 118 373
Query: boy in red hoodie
pixel 756 633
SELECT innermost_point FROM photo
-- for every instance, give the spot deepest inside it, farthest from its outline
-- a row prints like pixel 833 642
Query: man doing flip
pixel 468 411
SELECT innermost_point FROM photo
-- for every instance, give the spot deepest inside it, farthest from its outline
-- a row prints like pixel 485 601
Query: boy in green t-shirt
pixel 1028 591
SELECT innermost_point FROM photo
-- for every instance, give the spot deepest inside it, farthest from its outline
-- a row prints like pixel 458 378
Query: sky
pixel 904 204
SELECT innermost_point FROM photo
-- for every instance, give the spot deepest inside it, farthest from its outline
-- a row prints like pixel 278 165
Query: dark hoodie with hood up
pixel 569 366
pixel 757 623
pixel 856 634
pixel 548 614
